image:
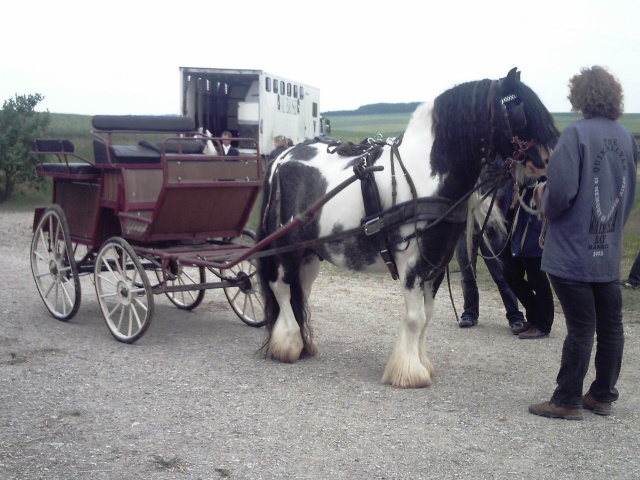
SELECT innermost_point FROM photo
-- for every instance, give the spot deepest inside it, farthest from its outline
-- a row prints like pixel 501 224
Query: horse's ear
pixel 513 75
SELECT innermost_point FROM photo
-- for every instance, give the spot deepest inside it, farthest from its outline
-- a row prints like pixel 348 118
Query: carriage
pixel 156 210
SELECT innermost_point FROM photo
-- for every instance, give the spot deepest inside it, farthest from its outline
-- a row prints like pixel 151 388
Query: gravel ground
pixel 193 399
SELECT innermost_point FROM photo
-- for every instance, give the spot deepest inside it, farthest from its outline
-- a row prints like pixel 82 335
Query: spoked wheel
pixel 246 298
pixel 123 290
pixel 53 266
pixel 181 275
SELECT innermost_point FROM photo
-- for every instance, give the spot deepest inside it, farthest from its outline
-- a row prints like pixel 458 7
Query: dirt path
pixel 192 399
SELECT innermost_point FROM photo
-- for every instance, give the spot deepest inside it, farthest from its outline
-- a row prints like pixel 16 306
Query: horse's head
pixel 524 129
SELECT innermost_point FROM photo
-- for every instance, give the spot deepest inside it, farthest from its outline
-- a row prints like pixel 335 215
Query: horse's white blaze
pixel 286 339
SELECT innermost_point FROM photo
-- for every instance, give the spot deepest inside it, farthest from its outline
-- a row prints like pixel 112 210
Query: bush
pixel 19 124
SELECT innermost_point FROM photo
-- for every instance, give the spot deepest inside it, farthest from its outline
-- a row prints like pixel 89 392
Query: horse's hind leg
pixel 408 366
pixel 308 274
pixel 285 341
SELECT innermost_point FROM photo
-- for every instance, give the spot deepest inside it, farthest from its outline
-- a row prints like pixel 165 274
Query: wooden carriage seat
pixel 143 153
pixel 61 148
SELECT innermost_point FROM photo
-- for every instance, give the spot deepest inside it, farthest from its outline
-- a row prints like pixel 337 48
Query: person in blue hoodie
pixel 587 199
pixel 523 260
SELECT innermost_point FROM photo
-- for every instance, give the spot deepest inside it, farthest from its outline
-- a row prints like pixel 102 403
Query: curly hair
pixel 595 92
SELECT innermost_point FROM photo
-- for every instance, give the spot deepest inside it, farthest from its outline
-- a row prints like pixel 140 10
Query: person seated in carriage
pixel 228 150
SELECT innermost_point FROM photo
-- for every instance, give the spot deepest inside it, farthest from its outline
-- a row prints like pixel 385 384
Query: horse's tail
pixel 267 265
pixel 477 213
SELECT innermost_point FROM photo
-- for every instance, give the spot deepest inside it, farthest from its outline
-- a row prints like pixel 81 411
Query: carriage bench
pixel 144 152
pixel 63 150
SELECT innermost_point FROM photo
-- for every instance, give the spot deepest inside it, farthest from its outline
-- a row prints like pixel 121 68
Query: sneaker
pixel 522 328
pixel 551 410
pixel 531 333
pixel 518 324
pixel 630 286
pixel 599 408
pixel 467 321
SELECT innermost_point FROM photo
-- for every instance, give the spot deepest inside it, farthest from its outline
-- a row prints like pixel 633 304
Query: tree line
pixel 376 109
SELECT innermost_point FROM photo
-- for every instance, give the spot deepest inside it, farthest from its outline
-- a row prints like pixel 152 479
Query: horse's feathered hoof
pixel 310 348
pixel 286 352
pixel 419 377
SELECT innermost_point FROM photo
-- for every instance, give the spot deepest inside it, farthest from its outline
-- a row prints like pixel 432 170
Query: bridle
pixel 511 122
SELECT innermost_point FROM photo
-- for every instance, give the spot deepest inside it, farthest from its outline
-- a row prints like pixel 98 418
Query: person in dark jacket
pixel 280 143
pixel 489 252
pixel 587 199
pixel 227 149
pixel 523 259
pixel 633 280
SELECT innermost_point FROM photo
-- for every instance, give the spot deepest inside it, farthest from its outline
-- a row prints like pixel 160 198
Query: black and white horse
pixel 429 172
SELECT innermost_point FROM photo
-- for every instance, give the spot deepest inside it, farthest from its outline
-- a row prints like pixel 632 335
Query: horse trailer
pixel 251 104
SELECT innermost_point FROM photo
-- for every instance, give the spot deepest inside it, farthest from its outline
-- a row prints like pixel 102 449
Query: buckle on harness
pixel 373 226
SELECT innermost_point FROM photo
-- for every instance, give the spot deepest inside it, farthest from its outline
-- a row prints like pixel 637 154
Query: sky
pixel 123 57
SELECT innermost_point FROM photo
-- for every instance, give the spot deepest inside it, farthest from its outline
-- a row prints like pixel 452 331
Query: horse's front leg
pixel 408 366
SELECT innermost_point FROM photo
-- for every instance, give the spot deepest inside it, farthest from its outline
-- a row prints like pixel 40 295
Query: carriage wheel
pixel 123 290
pixel 246 298
pixel 181 275
pixel 53 266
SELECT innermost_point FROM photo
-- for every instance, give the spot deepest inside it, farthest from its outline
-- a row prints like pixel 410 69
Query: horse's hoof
pixel 403 378
pixel 310 349
pixel 288 354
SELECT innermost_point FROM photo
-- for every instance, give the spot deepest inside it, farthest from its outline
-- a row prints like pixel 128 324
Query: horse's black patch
pixel 358 250
pixel 436 251
pixel 303 152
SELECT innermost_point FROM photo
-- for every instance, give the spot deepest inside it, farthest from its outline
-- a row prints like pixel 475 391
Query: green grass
pixel 355 128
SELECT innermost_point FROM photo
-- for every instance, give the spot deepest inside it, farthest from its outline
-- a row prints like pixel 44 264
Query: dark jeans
pixel 589 308
pixel 532 287
pixel 470 286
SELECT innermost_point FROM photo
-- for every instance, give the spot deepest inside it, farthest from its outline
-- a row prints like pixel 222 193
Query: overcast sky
pixel 123 57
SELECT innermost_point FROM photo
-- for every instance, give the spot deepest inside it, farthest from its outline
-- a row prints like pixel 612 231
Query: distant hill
pixel 376 109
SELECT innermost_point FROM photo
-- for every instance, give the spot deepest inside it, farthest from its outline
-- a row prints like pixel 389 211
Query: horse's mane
pixel 460 122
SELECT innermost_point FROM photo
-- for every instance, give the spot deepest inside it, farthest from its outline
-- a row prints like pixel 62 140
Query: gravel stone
pixel 193 398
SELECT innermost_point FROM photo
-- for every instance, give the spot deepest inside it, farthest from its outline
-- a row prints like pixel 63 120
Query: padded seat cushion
pixel 54 146
pixel 127 154
pixel 158 123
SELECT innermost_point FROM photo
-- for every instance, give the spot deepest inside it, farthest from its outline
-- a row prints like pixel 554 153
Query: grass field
pixel 355 128
pixel 352 128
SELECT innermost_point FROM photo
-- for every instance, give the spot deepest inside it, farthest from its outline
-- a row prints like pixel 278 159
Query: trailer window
pixel 281 87
pixel 288 89
pixel 301 93
pixel 315 109
pixel 268 83
pixel 295 91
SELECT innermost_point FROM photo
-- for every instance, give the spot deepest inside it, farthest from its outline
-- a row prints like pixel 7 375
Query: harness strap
pixel 430 209
pixel 426 209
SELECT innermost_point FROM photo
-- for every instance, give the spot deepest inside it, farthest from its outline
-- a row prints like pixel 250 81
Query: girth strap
pixel 372 206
